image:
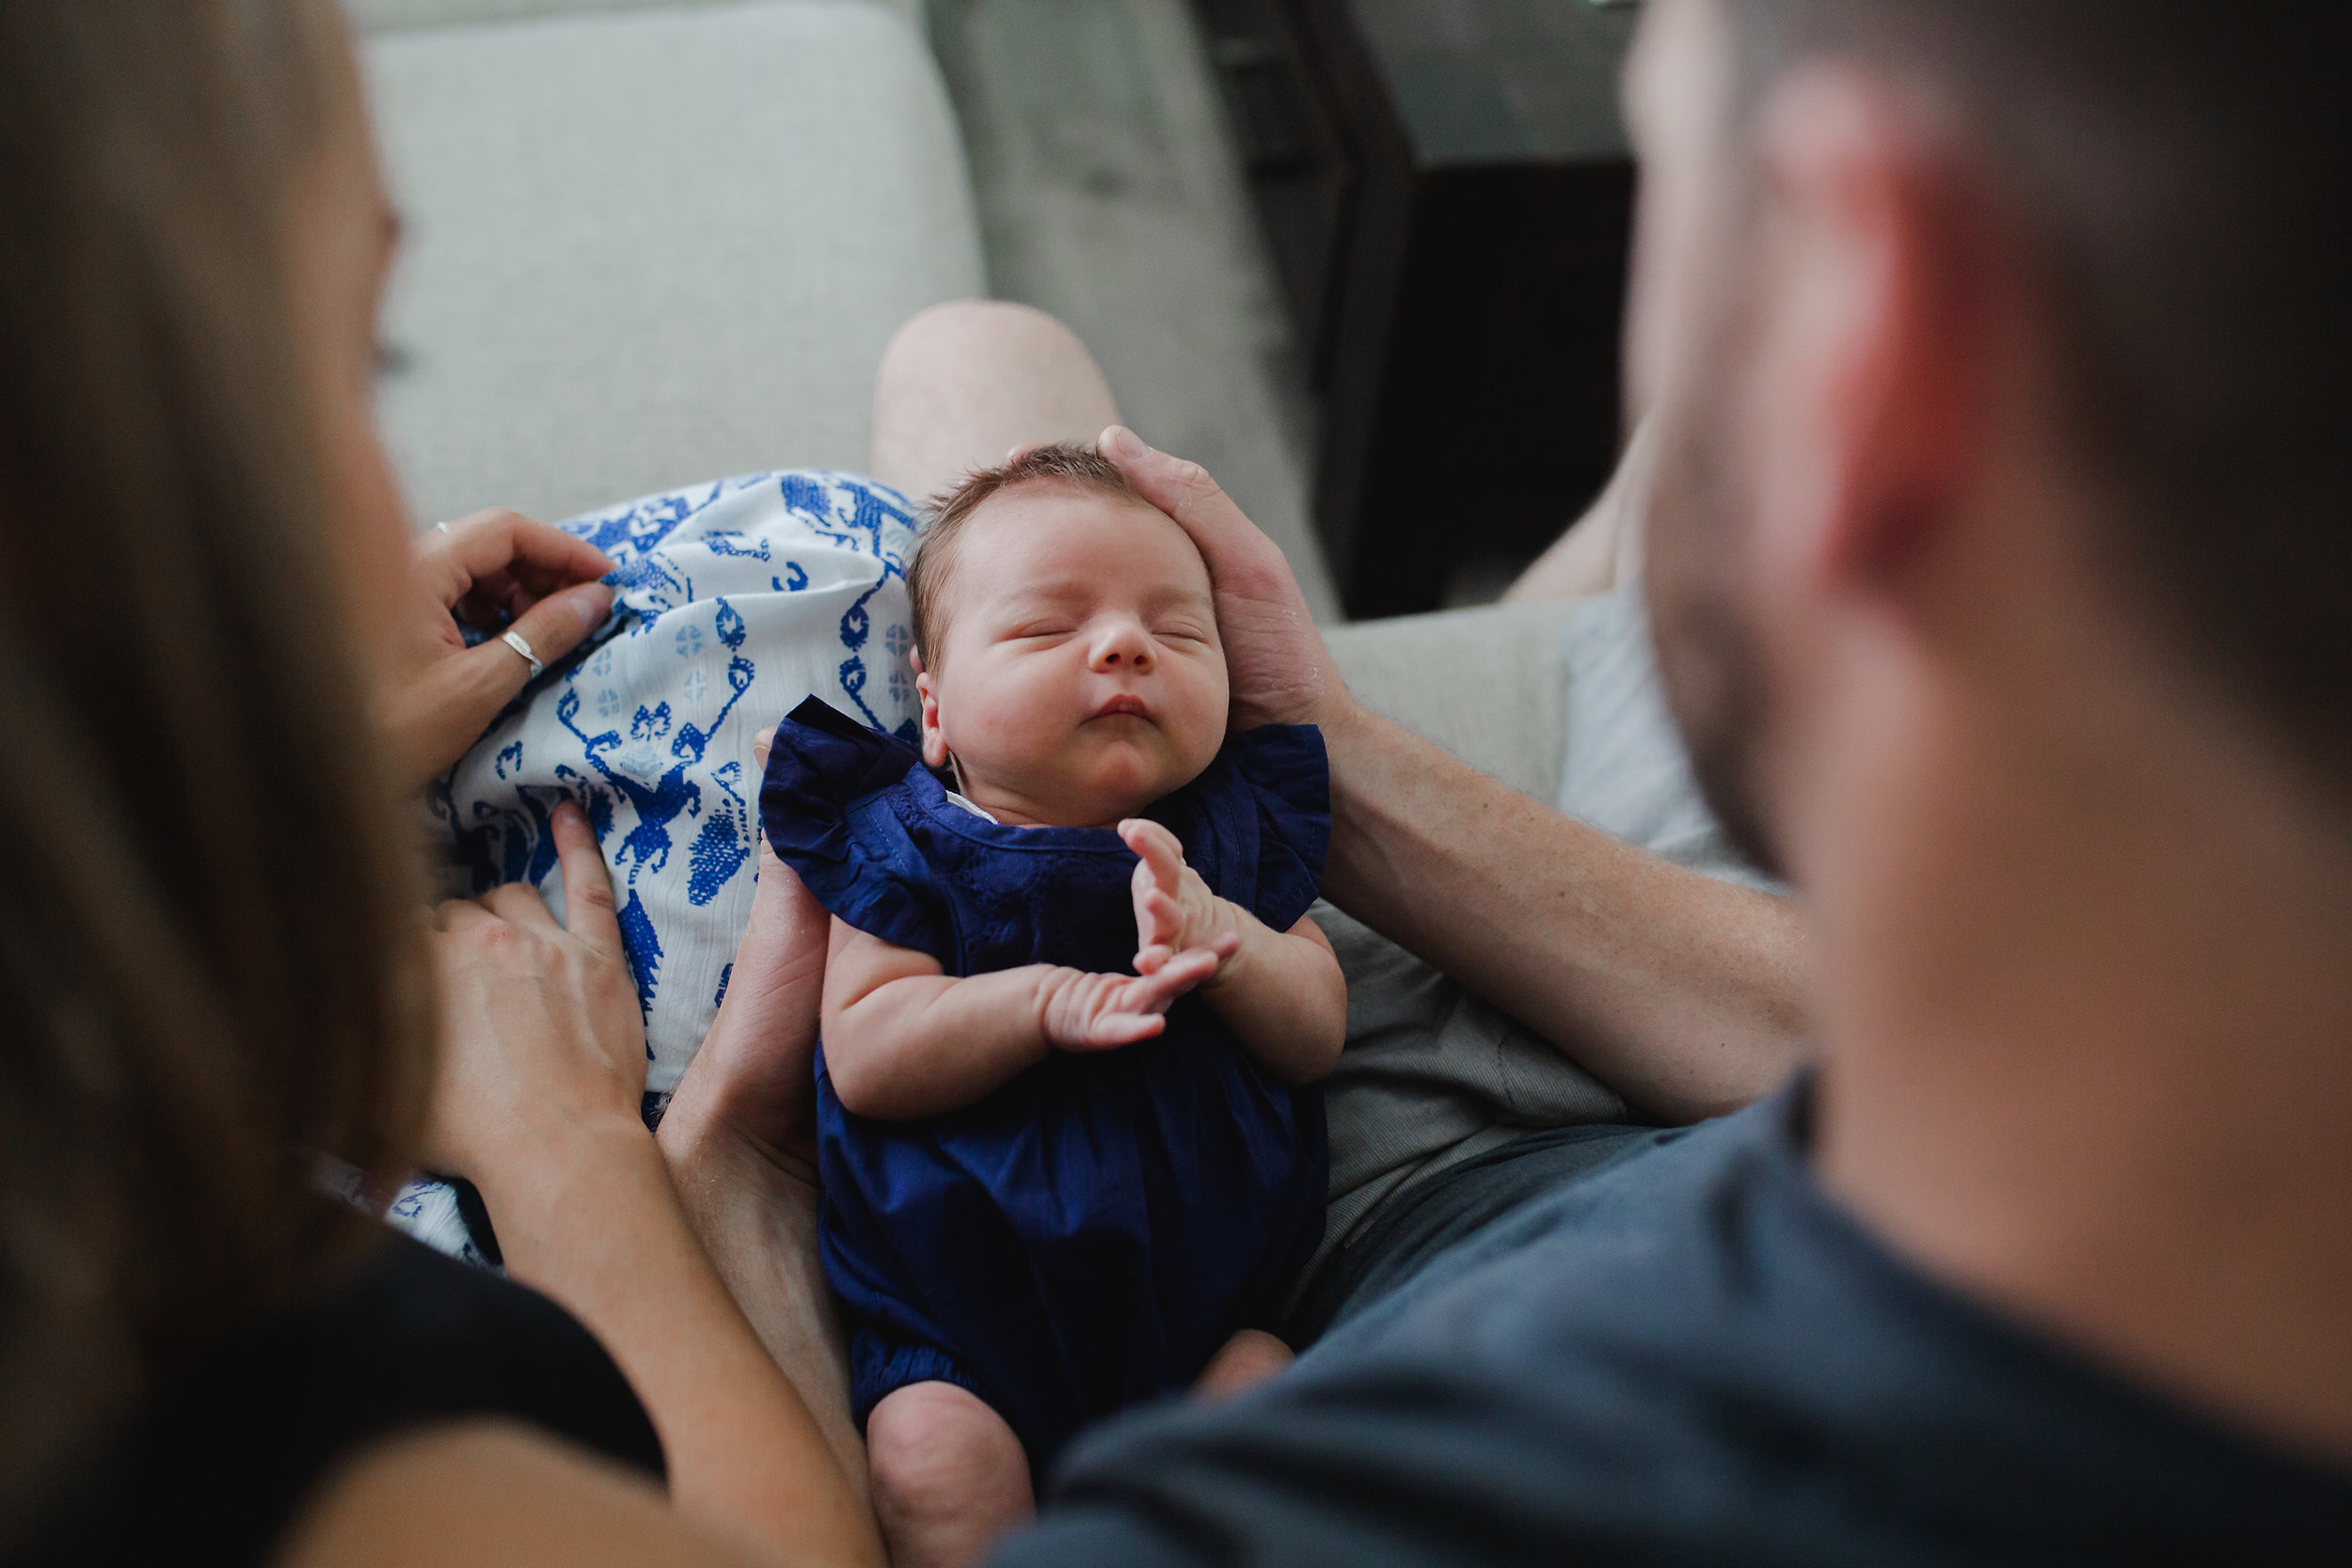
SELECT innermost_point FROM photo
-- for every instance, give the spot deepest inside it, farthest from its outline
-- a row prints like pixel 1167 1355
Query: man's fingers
pixel 589 910
pixel 1183 490
pixel 761 744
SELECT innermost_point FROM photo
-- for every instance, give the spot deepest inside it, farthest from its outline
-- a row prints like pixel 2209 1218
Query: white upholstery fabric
pixel 651 246
pixel 384 15
pixel 1490 685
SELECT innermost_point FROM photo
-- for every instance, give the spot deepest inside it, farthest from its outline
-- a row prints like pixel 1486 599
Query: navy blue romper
pixel 1089 1234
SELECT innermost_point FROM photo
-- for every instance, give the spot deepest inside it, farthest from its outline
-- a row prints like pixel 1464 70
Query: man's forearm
pixel 1680 991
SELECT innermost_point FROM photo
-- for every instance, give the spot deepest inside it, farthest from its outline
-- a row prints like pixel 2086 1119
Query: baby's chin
pixel 1112 784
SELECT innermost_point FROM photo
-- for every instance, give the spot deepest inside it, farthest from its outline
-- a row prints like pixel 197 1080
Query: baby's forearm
pixel 924 1045
pixel 1284 998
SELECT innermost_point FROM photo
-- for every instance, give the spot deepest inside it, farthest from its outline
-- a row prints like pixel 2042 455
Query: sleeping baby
pixel 1074 1007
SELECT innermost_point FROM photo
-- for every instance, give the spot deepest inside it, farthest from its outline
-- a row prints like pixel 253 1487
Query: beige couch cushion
pixel 654 245
pixel 1490 685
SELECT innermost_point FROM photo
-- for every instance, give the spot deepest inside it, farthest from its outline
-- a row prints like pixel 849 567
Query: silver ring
pixel 443 527
pixel 515 640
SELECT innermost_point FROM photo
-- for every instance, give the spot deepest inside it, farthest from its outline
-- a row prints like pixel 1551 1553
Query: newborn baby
pixel 1072 1008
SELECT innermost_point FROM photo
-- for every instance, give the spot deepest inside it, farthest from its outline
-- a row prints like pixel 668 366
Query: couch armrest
pixel 1490 685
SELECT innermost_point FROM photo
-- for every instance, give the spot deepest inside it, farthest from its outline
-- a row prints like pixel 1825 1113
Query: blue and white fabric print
pixel 734 602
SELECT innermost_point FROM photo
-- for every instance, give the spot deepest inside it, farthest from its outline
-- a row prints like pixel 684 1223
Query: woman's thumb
pixel 560 622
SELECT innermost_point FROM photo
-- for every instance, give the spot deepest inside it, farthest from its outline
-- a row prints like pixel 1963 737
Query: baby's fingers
pixel 1157 849
pixel 1156 991
pixel 1112 1030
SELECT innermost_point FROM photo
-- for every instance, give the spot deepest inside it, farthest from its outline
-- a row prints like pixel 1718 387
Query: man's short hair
pixel 2185 169
pixel 1075 467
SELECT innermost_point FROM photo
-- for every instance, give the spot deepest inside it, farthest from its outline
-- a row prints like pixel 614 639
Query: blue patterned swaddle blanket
pixel 734 602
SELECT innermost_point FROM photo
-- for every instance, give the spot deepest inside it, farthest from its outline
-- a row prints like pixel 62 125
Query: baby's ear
pixel 935 739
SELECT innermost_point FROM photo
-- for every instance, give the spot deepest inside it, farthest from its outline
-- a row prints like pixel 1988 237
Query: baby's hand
pixel 1175 911
pixel 1103 1012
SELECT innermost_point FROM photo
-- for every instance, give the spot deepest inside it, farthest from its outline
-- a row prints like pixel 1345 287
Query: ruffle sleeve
pixel 1283 773
pixel 823 806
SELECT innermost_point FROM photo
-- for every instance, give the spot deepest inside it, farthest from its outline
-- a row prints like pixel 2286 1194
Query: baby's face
pixel 1080 677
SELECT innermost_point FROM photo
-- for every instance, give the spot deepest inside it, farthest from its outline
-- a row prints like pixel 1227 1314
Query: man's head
pixel 1958 312
pixel 1066 642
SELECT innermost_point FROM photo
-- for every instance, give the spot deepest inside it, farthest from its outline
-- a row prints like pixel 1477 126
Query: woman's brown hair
pixel 208 972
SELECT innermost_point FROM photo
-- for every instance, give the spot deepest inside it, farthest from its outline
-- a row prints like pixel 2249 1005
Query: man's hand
pixel 497 571
pixel 1103 1012
pixel 1281 672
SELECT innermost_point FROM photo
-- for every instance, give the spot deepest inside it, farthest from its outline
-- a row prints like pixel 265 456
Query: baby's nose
pixel 1122 645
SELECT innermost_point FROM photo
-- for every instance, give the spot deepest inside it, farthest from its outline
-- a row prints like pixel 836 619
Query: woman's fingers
pixel 536 555
pixel 550 628
pixel 518 904
pixel 589 912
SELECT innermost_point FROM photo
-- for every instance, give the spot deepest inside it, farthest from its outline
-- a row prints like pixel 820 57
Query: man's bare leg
pixel 961 385
pixel 1603 547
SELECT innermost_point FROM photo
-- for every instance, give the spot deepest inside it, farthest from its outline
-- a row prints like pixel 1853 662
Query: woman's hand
pixel 497 571
pixel 545 1036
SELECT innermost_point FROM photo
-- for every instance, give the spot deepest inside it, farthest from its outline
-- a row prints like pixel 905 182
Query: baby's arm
pixel 903 1040
pixel 1281 992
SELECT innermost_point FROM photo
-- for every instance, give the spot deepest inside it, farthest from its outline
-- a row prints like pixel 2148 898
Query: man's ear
pixel 935 739
pixel 1890 267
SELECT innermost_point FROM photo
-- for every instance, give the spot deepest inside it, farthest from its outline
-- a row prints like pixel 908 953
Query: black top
pixel 1686 1355
pixel 219 1464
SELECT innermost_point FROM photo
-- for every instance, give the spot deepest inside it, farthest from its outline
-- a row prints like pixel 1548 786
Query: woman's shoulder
pixel 231 1448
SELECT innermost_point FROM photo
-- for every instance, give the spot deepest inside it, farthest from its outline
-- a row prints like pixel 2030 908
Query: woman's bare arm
pixel 495 1492
pixel 537 1103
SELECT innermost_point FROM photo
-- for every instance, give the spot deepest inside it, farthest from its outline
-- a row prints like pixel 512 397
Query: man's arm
pixel 1683 993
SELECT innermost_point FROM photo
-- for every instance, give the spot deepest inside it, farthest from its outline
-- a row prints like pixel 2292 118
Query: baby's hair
pixel 1078 468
